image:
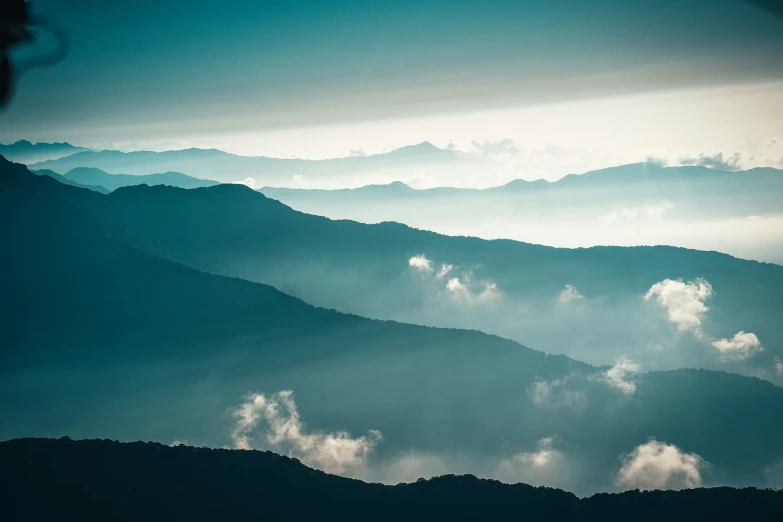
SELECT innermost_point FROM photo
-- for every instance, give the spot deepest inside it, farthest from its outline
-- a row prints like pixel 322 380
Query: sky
pixel 573 84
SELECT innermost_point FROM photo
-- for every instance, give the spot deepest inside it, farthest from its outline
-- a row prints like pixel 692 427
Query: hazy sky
pixel 598 81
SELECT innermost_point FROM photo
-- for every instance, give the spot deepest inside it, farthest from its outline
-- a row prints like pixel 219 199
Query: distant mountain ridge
pixel 47 479
pixel 93 176
pixel 226 167
pixel 25 152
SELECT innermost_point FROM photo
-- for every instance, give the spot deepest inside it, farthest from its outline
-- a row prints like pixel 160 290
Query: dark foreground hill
pixel 47 479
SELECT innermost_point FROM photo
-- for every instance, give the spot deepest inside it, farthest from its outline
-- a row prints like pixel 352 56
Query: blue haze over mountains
pixel 160 318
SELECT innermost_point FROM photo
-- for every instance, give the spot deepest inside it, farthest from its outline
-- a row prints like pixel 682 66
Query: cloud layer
pixel 275 419
pixel 458 284
pixel 658 465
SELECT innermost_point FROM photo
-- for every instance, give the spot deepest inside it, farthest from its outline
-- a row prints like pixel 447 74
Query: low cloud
pixel 658 465
pixel 539 467
pixel 621 376
pixel 683 302
pixel 420 262
pixel 459 284
pixel 569 295
pixel 646 212
pixel 249 182
pixel 778 366
pixel 740 347
pixel 558 393
pixel 715 161
pixel 657 161
pixel 504 147
pixel 357 153
pixel 274 420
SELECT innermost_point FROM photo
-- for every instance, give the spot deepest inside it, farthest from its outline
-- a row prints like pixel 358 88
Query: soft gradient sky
pixel 590 83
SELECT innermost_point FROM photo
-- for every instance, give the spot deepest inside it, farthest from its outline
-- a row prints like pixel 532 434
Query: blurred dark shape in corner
pixel 17 27
pixel 771 6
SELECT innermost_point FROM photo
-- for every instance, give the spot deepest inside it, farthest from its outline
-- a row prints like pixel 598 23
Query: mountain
pixel 225 167
pixel 46 479
pixel 92 176
pixel 25 152
pixel 105 335
pixel 640 204
pixel 66 181
pixel 512 289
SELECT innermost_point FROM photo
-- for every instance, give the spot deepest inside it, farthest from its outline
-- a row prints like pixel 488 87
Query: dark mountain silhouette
pixel 46 479
pixel 62 179
pixel 25 152
pixel 103 335
pixel 363 269
pixel 92 176
pixel 226 167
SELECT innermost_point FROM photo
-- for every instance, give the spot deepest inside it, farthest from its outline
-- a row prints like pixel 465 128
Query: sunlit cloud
pixel 683 302
pixel 658 465
pixel 273 420
pixel 621 376
pixel 569 295
pixel 542 466
pixel 741 346
pixel 248 182
pixel 420 262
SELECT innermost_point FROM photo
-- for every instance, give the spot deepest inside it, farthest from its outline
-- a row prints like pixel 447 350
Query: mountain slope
pixel 366 269
pixel 92 176
pixel 103 336
pixel 84 480
pixel 62 179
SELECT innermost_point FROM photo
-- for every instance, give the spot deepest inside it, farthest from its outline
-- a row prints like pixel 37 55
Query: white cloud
pixel 683 302
pixel 569 295
pixel 179 442
pixel 741 346
pixel 420 262
pixel 620 376
pixel 657 465
pixel 504 147
pixel 715 161
pixel 778 366
pixel 460 285
pixel 249 182
pixel 536 468
pixel 454 285
pixel 444 270
pixel 357 153
pixel 275 419
pixel 646 212
pixel 556 393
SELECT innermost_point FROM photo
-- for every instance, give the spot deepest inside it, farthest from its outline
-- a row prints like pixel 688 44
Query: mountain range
pixel 639 204
pixel 25 152
pixel 45 479
pixel 91 177
pixel 508 288
pixel 225 167
pixel 111 331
